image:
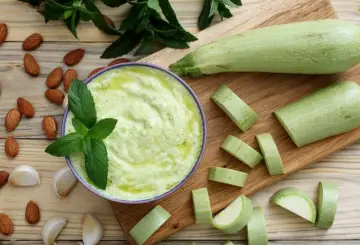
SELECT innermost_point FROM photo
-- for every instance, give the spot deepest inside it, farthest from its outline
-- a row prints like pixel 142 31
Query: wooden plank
pixel 341 167
pixel 265 93
pixel 187 11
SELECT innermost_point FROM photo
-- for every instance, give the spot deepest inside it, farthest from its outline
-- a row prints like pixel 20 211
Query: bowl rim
pixel 177 186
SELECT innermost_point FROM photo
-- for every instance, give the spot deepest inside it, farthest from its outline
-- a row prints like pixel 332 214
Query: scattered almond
pixel 69 75
pixel 95 71
pixel 118 61
pixel 32 42
pixel 51 229
pixel 92 230
pixel 25 108
pixel 24 175
pixel 49 126
pixel 6 225
pixel 12 119
pixel 55 96
pixel 31 65
pixel 32 213
pixel 74 57
pixel 55 78
pixel 3 32
pixel 109 21
pixel 11 147
pixel 63 182
pixel 4 176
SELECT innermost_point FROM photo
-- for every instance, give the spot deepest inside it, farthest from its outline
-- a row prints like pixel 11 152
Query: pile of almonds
pixel 24 175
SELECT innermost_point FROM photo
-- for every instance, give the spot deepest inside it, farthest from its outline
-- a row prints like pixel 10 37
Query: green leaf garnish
pixel 96 161
pixel 67 145
pixel 81 103
pixel 79 127
pixel 210 8
pixel 102 128
pixel 114 3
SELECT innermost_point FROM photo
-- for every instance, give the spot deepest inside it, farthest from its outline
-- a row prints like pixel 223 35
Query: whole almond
pixel 25 108
pixel 109 21
pixel 32 213
pixel 32 42
pixel 3 32
pixel 49 126
pixel 74 57
pixel 12 119
pixel 118 61
pixel 69 75
pixel 55 78
pixel 31 65
pixel 55 96
pixel 11 147
pixel 95 71
pixel 4 176
pixel 6 225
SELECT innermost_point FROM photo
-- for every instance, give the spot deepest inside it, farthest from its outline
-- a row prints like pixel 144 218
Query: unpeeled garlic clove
pixel 52 228
pixel 92 230
pixel 63 182
pixel 24 175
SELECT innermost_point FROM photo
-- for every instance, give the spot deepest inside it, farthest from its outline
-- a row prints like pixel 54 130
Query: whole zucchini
pixel 314 47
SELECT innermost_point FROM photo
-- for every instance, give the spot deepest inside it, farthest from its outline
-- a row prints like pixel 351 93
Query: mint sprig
pixel 88 136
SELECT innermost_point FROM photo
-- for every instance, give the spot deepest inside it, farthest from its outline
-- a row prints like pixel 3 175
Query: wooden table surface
pixel 283 228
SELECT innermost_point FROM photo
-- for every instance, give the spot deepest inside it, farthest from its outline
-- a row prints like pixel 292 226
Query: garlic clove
pixel 92 230
pixel 52 228
pixel 63 182
pixel 24 175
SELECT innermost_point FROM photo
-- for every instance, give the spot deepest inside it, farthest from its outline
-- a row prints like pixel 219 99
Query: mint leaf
pixel 81 103
pixel 204 19
pixel 96 162
pixel 114 3
pixel 102 128
pixel 123 45
pixel 79 127
pixel 224 12
pixel 66 145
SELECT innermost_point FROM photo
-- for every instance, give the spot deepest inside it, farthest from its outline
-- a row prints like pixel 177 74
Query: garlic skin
pixel 24 175
pixel 92 231
pixel 52 228
pixel 63 182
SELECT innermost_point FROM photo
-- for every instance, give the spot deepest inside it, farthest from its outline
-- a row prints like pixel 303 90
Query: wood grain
pixel 264 93
pixel 341 167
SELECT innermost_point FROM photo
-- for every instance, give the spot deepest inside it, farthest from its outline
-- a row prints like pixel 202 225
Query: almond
pixel 49 126
pixel 12 119
pixel 118 61
pixel 31 65
pixel 32 42
pixel 3 32
pixel 25 108
pixel 55 78
pixel 6 225
pixel 95 71
pixel 109 22
pixel 74 57
pixel 4 176
pixel 55 96
pixel 11 147
pixel 32 213
pixel 69 75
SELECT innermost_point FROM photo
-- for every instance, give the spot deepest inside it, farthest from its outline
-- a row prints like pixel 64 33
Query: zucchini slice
pixel 228 176
pixel 202 207
pixel 327 204
pixel 256 228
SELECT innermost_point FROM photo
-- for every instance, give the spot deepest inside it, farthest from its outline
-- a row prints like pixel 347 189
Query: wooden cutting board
pixel 264 93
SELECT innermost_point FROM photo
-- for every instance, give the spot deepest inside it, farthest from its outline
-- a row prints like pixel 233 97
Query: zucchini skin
pixel 313 47
pixel 329 111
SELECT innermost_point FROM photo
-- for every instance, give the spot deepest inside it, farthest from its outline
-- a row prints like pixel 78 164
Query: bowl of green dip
pixel 159 138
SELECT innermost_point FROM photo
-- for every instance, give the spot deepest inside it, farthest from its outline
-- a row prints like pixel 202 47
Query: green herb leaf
pixel 114 3
pixel 213 8
pixel 231 3
pixel 81 103
pixel 32 2
pixel 204 19
pixel 96 162
pixel 73 22
pixel 123 45
pixel 66 145
pixel 146 46
pixel 169 42
pixel 224 12
pixel 79 127
pixel 102 128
